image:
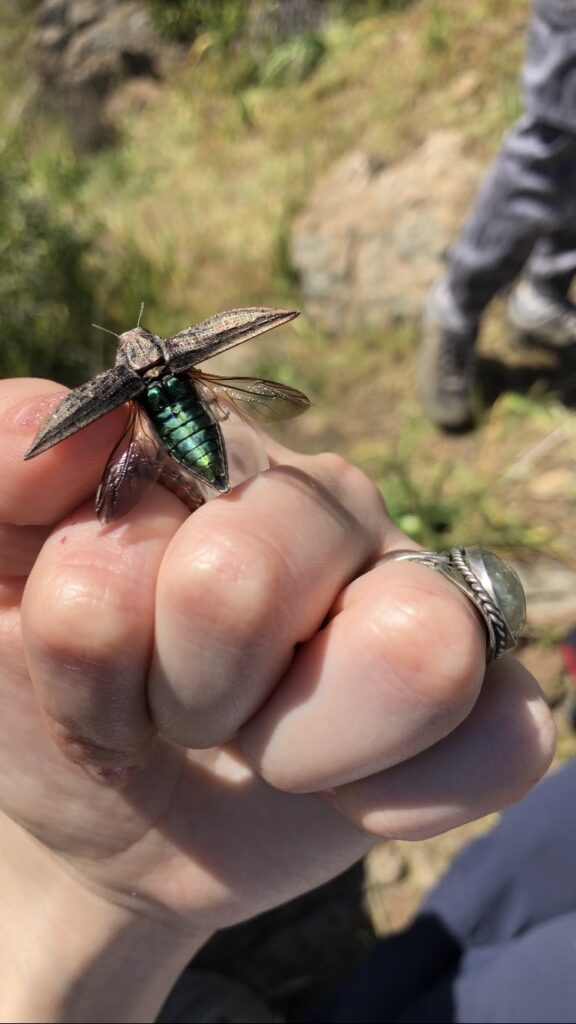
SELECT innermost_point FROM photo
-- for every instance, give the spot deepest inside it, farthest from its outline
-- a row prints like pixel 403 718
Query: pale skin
pixel 204 716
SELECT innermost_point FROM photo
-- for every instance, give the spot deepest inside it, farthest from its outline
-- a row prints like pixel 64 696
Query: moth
pixel 175 410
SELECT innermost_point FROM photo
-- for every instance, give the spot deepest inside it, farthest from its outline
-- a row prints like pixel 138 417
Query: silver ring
pixel 492 586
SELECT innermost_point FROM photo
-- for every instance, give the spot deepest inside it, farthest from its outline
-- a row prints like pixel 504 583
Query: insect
pixel 175 410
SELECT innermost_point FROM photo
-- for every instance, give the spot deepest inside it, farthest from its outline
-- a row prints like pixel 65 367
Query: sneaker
pixel 447 361
pixel 540 319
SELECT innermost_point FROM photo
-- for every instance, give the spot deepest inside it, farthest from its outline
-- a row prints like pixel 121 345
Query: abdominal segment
pixel 186 429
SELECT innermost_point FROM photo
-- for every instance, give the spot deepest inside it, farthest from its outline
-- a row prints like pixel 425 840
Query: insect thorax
pixel 141 351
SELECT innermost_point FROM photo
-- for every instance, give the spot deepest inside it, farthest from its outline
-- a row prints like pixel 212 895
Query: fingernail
pixel 31 414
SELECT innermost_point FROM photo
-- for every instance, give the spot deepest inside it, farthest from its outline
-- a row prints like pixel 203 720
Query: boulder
pixel 373 236
pixel 86 51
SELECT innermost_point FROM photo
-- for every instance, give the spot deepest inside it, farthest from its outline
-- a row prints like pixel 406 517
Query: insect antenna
pixel 106 331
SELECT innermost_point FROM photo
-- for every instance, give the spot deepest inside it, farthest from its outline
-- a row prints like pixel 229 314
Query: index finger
pixel 41 491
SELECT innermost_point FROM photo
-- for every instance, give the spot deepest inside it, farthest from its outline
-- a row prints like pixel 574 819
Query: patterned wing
pixel 86 404
pixel 137 461
pixel 133 465
pixel 268 401
pixel 218 333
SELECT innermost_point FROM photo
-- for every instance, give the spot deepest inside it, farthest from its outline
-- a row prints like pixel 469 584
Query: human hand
pixel 205 716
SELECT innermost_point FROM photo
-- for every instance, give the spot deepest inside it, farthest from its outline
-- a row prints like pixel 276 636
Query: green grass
pixel 446 502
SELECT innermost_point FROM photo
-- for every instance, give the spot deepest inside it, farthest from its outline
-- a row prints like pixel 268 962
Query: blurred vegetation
pixel 229 20
pixel 46 294
pixel 55 279
pixel 59 270
pixel 271 41
pixel 185 20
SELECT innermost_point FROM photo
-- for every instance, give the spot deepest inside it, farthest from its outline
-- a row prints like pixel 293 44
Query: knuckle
pixel 81 747
pixel 433 644
pixel 334 465
pixel 331 480
pixel 81 614
pixel 232 583
pixel 107 765
pixel 348 477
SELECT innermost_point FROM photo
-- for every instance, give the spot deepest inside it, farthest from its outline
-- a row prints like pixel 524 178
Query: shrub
pixel 184 20
pixel 46 292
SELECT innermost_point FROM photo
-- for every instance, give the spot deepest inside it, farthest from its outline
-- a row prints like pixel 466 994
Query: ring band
pixel 492 586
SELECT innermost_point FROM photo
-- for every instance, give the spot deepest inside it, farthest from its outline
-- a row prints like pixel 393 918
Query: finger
pixel 19 548
pixel 87 626
pixel 246 579
pixel 491 760
pixel 393 537
pixel 391 674
pixel 43 490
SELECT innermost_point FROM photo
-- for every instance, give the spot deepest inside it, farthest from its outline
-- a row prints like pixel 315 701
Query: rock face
pixel 550 590
pixel 373 237
pixel 86 50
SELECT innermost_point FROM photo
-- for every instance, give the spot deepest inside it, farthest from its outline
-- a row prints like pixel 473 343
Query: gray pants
pixel 524 217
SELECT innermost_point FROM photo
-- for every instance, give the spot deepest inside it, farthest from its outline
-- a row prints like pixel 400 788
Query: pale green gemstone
pixel 501 582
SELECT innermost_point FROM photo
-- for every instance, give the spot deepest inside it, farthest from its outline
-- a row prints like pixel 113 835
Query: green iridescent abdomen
pixel 185 428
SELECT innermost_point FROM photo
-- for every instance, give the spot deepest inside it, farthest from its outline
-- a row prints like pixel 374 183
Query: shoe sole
pixel 526 339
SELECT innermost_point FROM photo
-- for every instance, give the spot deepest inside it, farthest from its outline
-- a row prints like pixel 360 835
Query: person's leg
pixel 528 195
pixel 525 197
pixel 540 309
pixel 526 980
pixel 392 975
pixel 523 200
pixel 520 874
pixel 517 879
pixel 552 264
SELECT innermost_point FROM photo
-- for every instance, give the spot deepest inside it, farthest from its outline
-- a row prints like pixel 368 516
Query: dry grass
pixel 209 176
